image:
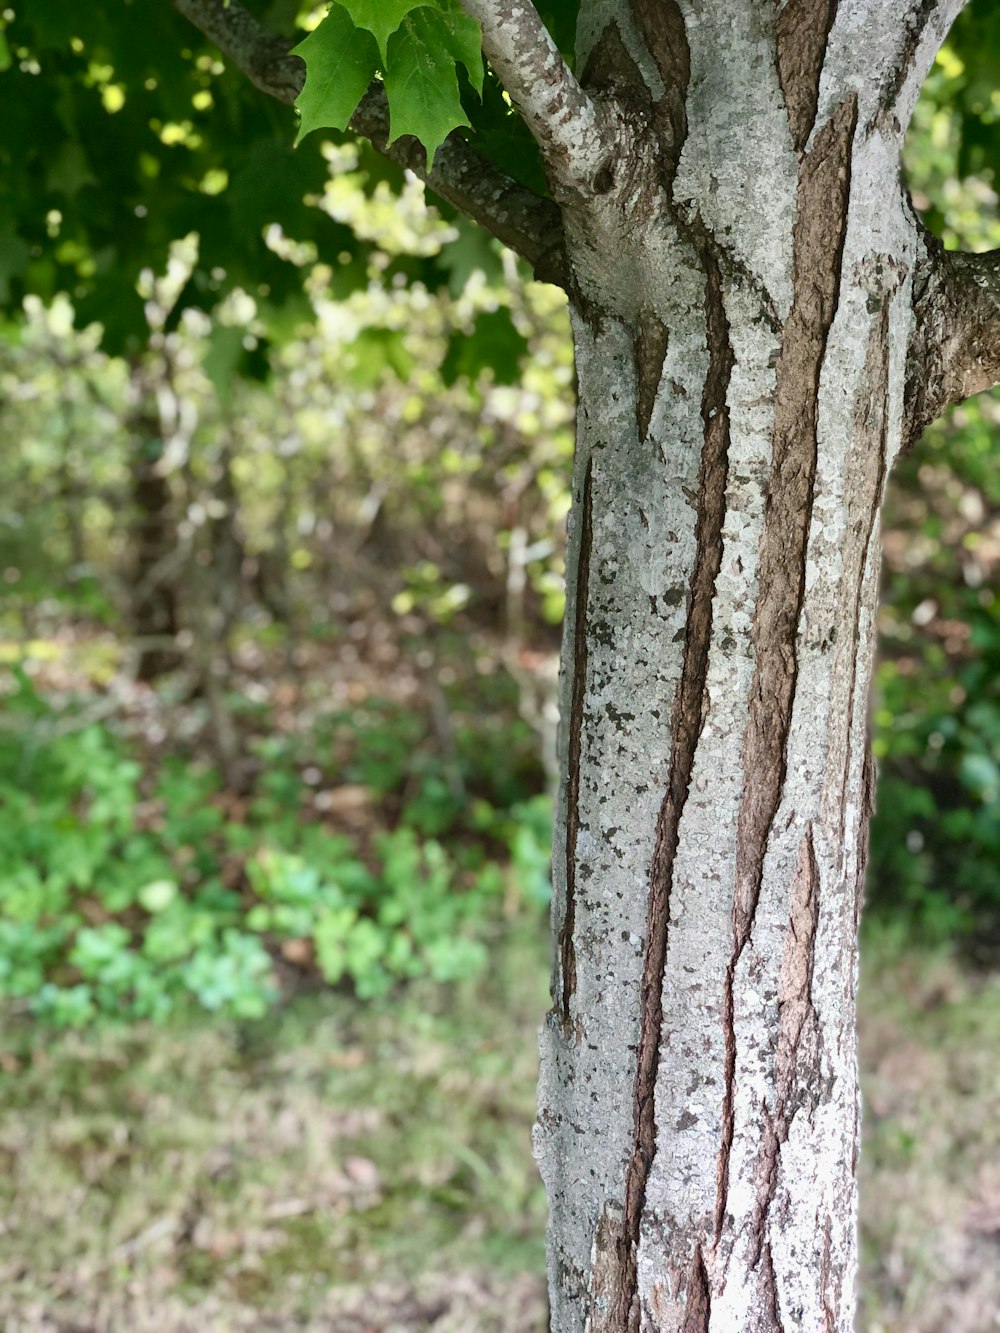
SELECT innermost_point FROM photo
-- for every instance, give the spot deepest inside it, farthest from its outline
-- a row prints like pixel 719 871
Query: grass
pixel 350 1167
pixel 930 1160
pixel 329 1164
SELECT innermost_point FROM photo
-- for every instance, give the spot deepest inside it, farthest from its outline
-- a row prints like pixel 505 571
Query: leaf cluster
pixel 415 49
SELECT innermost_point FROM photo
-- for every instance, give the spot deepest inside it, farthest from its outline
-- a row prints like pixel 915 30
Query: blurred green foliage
pixel 126 901
pixel 397 485
pixel 936 835
pixel 935 843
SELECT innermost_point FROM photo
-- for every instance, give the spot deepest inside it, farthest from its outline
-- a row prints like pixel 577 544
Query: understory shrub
pixel 133 894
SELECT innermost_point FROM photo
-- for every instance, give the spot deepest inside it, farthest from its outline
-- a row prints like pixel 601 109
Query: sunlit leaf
pixel 421 82
pixel 380 17
pixel 341 61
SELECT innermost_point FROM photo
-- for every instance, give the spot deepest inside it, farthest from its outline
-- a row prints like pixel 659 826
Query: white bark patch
pixel 883 53
pixel 738 168
pixel 641 554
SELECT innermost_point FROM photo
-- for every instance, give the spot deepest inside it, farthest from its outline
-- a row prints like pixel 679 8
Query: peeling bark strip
pixel 801 34
pixel 567 947
pixel 621 1313
pixel 818 245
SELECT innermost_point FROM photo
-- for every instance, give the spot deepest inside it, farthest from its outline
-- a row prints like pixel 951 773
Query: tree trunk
pixel 743 303
pixel 156 561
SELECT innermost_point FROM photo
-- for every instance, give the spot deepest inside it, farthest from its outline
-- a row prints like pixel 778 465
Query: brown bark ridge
pixel 801 33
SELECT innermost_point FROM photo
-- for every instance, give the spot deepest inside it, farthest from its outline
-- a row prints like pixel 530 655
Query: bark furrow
pixel 688 718
pixel 818 246
pixel 650 350
pixel 801 32
pixel 567 946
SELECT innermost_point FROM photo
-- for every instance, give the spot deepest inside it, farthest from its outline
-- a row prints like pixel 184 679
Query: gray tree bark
pixel 745 268
pixel 761 324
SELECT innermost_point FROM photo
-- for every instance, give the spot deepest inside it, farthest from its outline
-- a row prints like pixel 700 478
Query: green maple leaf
pixel 341 61
pixel 421 82
pixel 380 17
pixel 462 40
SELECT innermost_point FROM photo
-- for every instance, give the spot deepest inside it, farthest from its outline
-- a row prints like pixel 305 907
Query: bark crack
pixel 818 246
pixel 769 1292
pixel 798 1034
pixel 802 31
pixel 623 1314
pixel 875 409
pixel 698 1313
pixel 829 1314
pixel 567 945
pixel 650 351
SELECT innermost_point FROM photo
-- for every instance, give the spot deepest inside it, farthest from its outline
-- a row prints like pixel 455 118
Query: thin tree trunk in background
pixel 154 609
pixel 743 305
pixel 225 555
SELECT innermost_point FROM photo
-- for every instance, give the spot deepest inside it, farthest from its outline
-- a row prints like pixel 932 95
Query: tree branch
pixel 954 349
pixel 561 116
pixel 526 222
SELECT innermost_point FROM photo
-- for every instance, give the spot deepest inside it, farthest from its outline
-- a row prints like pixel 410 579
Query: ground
pixel 366 1169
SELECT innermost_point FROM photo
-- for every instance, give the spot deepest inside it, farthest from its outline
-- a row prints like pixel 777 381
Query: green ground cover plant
pixel 131 895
